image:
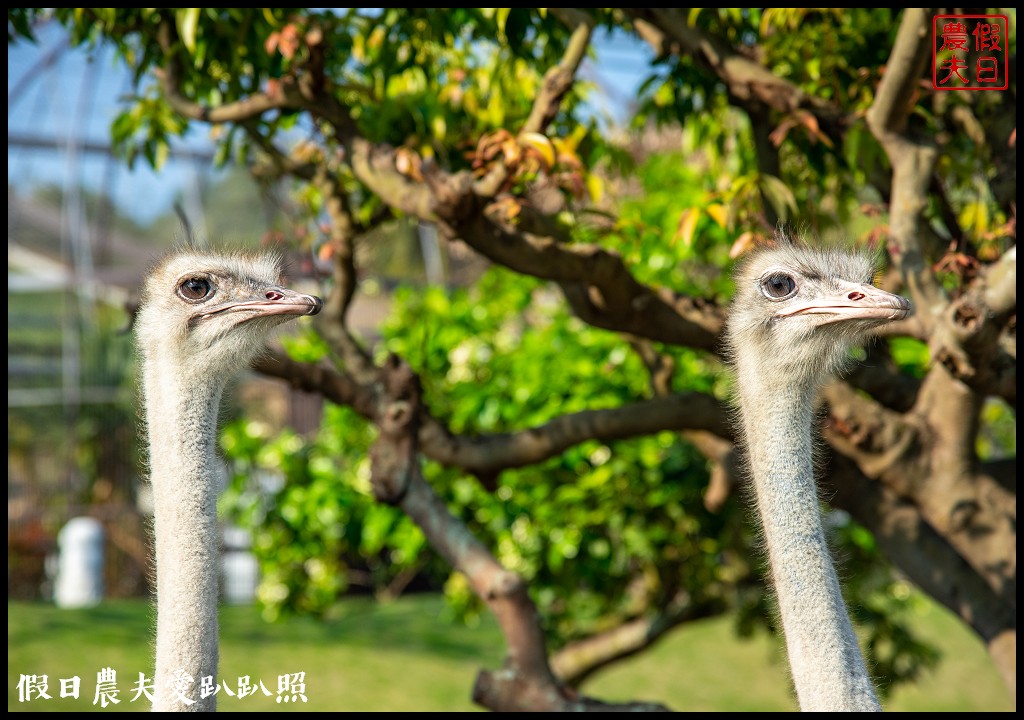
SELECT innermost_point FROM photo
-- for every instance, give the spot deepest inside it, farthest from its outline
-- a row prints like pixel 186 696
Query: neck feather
pixel 182 423
pixel 826 662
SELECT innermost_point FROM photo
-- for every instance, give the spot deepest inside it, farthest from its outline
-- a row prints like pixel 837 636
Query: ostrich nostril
pixel 855 296
pixel 274 295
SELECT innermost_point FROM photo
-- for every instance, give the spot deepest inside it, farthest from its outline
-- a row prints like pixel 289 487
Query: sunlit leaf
pixel 187 21
pixel 162 152
pixel 719 214
pixel 501 20
pixel 743 244
pixel 779 195
pixel 268 15
pixel 595 187
pixel 975 217
pixel 439 127
pixel 542 145
pixel 687 226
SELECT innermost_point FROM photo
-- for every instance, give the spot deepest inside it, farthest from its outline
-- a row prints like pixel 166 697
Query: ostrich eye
pixel 195 289
pixel 778 286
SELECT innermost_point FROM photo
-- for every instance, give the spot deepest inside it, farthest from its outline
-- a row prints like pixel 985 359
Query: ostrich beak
pixel 854 301
pixel 275 301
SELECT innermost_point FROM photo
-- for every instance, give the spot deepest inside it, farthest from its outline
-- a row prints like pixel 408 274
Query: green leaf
pixel 501 19
pixel 306 347
pixel 779 195
pixel 187 20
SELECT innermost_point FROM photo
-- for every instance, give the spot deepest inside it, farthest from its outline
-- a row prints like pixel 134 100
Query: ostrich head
pixel 798 311
pixel 207 314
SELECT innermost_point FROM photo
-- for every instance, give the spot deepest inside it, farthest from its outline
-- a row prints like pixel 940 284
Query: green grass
pixel 404 656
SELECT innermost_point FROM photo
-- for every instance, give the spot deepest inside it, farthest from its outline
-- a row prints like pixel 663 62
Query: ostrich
pixel 796 314
pixel 203 318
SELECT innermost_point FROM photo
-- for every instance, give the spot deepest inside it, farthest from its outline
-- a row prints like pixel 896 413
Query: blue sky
pixel 69 96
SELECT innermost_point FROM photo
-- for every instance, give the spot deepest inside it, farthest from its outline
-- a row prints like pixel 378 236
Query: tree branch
pixel 597 284
pixel 332 384
pixel 968 337
pixel 559 79
pixel 749 84
pixel 929 461
pixel 237 112
pixel 880 378
pixel 1000 293
pixel 375 168
pixel 525 683
pixel 767 155
pixel 579 660
pixel 332 321
pixel 488 455
pixel 912 161
pixel 898 91
pixel 927 559
pixel 1000 128
pixel 282 164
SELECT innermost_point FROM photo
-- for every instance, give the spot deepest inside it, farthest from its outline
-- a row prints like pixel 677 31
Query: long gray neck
pixel 182 422
pixel 826 662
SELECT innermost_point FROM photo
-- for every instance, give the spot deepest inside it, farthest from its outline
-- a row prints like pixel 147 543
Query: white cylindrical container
pixel 241 571
pixel 79 581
